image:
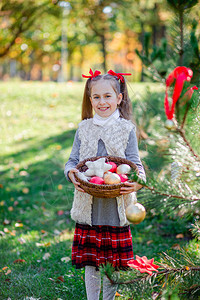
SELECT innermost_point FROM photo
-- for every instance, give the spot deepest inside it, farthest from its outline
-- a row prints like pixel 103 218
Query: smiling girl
pixel 102 234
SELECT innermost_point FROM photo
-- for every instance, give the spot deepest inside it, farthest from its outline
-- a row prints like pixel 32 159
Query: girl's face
pixel 103 98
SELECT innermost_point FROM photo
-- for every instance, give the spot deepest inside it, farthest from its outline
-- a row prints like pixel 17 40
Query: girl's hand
pixel 130 187
pixel 73 179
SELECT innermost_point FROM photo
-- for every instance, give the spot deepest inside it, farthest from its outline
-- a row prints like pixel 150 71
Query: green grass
pixel 38 123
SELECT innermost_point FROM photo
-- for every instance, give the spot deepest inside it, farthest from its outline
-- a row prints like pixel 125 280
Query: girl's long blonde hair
pixel 125 107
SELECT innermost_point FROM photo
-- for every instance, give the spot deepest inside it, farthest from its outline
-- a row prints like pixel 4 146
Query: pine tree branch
pixel 152 189
pixel 133 176
pixel 182 133
pixel 164 272
pixel 185 115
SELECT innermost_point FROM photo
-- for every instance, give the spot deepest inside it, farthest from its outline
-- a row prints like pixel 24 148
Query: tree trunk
pixel 103 44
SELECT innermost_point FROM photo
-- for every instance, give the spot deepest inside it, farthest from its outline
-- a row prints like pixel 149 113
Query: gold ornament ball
pixel 135 213
pixel 169 124
pixel 112 178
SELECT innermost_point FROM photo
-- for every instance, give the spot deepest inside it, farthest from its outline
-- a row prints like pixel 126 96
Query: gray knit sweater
pixel 104 210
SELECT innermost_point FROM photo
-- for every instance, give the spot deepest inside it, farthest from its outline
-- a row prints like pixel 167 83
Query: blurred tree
pixel 17 17
pixel 180 47
pixel 99 17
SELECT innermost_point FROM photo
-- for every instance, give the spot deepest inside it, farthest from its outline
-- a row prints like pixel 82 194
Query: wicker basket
pixel 104 190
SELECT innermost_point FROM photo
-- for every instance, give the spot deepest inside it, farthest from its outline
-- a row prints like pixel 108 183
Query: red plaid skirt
pixel 99 244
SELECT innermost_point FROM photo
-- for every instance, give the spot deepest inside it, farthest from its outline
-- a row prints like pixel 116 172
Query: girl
pixel 102 232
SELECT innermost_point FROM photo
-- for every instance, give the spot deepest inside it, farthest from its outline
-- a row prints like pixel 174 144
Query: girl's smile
pixel 104 99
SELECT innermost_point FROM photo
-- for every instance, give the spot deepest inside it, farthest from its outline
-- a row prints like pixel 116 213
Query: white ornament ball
pixel 123 169
pixel 169 124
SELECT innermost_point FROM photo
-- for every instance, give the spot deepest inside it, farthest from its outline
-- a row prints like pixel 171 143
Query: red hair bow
pixel 118 75
pixel 95 74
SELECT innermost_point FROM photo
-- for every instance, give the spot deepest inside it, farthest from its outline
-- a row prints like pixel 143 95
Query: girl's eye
pixel 96 97
pixel 108 96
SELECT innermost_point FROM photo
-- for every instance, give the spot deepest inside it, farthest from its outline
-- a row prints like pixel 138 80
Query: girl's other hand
pixel 130 187
pixel 73 179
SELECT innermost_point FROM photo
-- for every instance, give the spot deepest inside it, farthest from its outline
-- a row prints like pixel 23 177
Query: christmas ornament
pixel 169 124
pixel 97 167
pixel 114 166
pixel 123 169
pixel 135 213
pixel 123 177
pixel 97 180
pixel 143 264
pixel 82 176
pixel 112 178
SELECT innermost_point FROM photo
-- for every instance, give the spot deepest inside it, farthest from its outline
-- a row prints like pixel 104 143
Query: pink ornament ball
pixel 114 166
pixel 97 180
pixel 123 177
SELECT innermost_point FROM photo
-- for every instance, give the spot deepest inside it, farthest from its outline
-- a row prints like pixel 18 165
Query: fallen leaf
pixel 10 208
pixel 43 231
pixel 8 272
pixel 149 242
pixel 56 232
pixel 51 105
pixel 54 95
pixel 21 240
pixel 16 203
pixel 39 244
pixel 55 172
pixel 19 225
pixel 58 147
pixel 61 278
pixel 4 268
pixel 2 203
pixel 65 259
pixel 1 186
pixel 6 230
pixel 117 294
pixel 176 247
pixel 23 173
pixel 25 190
pixel 51 279
pixel 31 298
pixel 46 256
pixel 47 244
pixel 17 261
pixel 13 233
pixel 60 187
pixel 180 236
pixel 60 212
pixel 6 222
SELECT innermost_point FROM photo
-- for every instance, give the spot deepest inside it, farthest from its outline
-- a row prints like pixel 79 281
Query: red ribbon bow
pixel 180 75
pixel 95 74
pixel 118 75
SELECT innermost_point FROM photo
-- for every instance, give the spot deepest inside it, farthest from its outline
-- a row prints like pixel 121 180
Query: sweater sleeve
pixel 74 156
pixel 132 154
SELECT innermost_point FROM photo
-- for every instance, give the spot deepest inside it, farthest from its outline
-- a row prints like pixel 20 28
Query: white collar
pixel 105 122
